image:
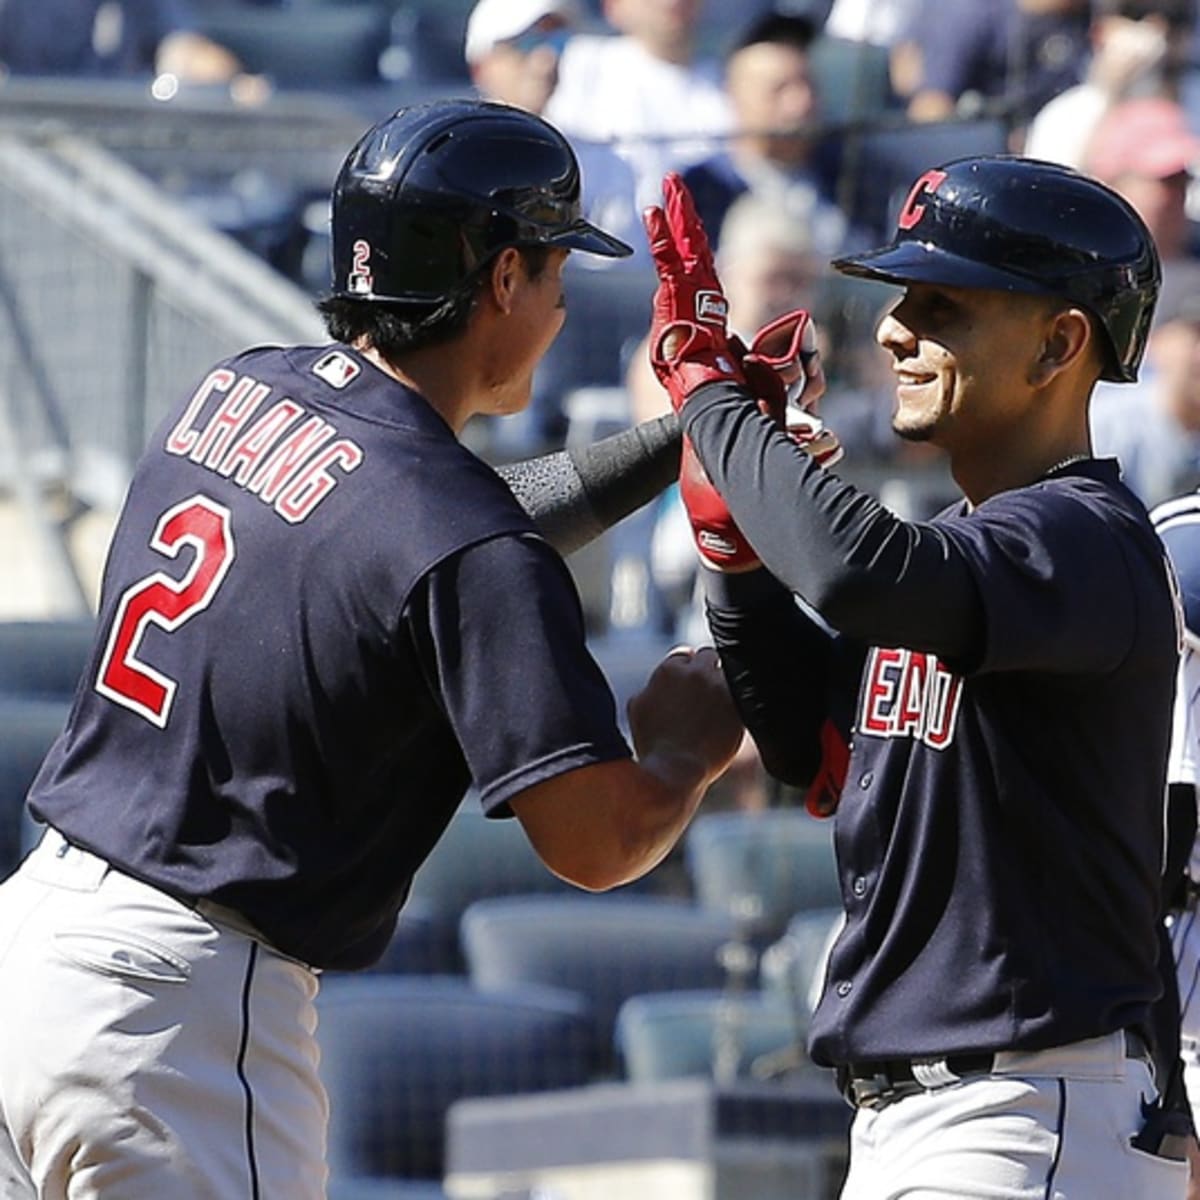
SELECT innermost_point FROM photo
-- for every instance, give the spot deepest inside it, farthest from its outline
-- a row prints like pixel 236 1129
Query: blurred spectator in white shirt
pixel 643 90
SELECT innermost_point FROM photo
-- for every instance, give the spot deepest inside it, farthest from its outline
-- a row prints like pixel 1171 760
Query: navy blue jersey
pixel 999 836
pixel 322 619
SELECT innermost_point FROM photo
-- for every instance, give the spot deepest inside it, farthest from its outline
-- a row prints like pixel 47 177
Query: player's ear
pixel 1067 338
pixel 504 279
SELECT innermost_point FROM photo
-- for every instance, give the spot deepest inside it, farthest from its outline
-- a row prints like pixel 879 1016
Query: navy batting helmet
pixel 1017 224
pixel 428 195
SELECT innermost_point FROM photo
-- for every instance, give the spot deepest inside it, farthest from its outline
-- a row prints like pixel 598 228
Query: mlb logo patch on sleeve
pixel 336 369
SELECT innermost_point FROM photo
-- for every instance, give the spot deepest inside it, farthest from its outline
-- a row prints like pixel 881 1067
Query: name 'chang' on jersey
pixel 999 835
pixel 278 715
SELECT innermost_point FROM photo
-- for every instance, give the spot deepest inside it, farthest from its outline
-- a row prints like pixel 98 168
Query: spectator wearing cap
pixel 1138 48
pixel 775 152
pixel 1152 427
pixel 1144 149
pixel 644 90
pixel 512 50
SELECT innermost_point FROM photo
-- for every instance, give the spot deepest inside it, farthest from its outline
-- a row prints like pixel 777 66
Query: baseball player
pixel 1178 524
pixel 322 619
pixel 1007 669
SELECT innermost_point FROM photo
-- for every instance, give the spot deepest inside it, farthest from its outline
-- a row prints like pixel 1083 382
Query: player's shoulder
pixel 1177 523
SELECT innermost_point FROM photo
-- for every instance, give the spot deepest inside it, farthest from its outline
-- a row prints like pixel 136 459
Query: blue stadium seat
pixel 608 313
pixel 27 727
pixel 44 658
pixel 476 858
pixel 765 866
pixel 605 948
pixel 328 46
pixel 397 1051
pixel 726 1035
pixel 853 79
pixel 793 968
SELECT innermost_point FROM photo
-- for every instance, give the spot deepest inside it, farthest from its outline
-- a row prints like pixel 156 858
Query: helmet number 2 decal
pixel 912 210
pixel 159 599
pixel 361 281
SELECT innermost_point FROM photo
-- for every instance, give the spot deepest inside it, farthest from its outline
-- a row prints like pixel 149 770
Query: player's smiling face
pixel 960 357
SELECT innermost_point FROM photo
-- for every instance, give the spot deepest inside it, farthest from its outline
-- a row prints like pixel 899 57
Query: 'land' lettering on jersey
pixel 279 452
pixel 909 694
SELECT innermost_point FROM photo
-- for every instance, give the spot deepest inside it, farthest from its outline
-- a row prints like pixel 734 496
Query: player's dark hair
pixel 396 329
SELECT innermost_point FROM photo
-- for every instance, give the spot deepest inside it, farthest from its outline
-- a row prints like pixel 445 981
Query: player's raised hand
pixel 783 358
pixel 689 336
pixel 787 347
pixel 684 716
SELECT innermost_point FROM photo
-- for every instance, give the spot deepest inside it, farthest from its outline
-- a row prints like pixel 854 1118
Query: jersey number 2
pixel 160 600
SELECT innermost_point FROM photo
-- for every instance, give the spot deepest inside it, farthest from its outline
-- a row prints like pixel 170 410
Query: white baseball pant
pixel 148 1050
pixel 1045 1125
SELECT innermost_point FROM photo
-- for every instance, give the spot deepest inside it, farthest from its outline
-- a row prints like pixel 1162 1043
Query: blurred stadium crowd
pixel 799 125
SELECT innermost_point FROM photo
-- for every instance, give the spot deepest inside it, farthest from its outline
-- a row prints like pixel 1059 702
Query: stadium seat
pixel 793 968
pixel 28 725
pixel 476 858
pixel 608 312
pixel 853 79
pixel 325 47
pixel 605 948
pixel 724 1035
pixel 44 658
pixel 763 866
pixel 397 1051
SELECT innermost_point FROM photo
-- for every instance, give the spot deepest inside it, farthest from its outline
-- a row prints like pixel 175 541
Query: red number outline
pixel 160 600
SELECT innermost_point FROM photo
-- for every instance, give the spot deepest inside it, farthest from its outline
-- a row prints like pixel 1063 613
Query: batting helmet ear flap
pixel 1018 224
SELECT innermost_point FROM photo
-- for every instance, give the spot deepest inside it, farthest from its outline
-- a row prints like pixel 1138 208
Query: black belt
pixel 879 1083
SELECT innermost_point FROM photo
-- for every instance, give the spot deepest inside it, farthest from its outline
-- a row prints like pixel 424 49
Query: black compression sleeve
pixel 776 661
pixel 575 495
pixel 869 574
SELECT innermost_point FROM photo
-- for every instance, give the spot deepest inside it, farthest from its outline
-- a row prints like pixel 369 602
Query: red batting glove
pixel 783 358
pixel 718 540
pixel 787 346
pixel 825 791
pixel 689 336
